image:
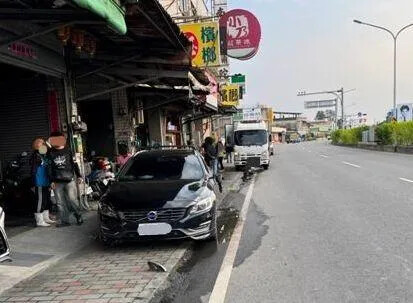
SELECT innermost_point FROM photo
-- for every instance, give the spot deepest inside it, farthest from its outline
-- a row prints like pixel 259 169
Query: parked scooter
pixel 16 193
pixel 4 244
pixel 100 177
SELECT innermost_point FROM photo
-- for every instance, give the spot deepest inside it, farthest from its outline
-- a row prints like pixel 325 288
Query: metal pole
pixel 395 78
pixel 342 107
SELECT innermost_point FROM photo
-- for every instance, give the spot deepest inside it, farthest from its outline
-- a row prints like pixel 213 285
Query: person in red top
pixel 124 155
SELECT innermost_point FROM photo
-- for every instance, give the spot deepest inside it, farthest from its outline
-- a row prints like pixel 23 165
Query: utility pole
pixel 342 107
pixel 338 93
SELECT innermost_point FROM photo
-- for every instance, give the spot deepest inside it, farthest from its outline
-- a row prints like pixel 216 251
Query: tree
pixel 320 115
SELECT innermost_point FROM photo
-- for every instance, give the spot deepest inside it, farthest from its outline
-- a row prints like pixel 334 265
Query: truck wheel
pixel 265 166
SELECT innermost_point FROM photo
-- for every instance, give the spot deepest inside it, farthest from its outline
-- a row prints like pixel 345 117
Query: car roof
pixel 167 152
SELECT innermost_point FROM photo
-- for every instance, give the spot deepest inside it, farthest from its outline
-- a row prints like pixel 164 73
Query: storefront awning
pixel 108 10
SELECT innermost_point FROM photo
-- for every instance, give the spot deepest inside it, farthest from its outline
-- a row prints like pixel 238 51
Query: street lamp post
pixel 394 36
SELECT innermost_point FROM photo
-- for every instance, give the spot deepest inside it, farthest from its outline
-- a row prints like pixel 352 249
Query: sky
pixel 313 45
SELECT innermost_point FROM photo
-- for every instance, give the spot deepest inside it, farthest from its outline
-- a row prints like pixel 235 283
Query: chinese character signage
pixel 229 95
pixel 243 33
pixel 252 114
pixel 205 43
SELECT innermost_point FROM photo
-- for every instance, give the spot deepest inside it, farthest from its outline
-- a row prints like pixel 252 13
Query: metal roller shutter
pixel 23 115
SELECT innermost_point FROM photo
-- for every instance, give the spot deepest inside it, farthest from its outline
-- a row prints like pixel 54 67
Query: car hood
pixel 153 194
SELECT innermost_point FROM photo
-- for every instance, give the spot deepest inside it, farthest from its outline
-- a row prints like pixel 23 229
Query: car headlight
pixel 202 206
pixel 107 210
pixel 264 153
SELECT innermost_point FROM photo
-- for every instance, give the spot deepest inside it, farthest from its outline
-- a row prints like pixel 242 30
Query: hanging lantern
pixel 63 33
pixel 78 39
pixel 92 46
pixel 86 45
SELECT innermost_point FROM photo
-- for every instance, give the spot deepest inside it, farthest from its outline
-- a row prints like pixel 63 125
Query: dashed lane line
pixel 406 180
pixel 351 164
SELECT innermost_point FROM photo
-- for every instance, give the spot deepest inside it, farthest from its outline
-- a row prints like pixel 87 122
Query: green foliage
pixel 335 136
pixel 384 133
pixel 403 133
pixel 320 115
pixel 348 136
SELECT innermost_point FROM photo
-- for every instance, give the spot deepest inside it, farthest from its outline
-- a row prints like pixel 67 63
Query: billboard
pixel 404 112
pixel 230 95
pixel 251 114
pixel 243 33
pixel 320 104
pixel 205 43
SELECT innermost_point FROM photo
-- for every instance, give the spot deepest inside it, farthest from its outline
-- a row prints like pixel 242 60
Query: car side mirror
pixel 4 247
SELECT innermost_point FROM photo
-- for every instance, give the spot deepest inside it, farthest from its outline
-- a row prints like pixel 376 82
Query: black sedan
pixel 160 194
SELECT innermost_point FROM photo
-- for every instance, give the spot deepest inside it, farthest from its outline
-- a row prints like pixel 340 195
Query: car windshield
pixel 163 167
pixel 250 137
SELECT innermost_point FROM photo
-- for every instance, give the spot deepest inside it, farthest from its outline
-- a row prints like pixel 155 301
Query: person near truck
pixel 221 154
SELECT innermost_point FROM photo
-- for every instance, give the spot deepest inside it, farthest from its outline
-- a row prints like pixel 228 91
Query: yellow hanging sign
pixel 205 43
pixel 230 95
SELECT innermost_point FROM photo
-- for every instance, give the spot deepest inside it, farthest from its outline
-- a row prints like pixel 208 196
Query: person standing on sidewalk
pixel 39 171
pixel 64 173
pixel 221 154
pixel 211 159
pixel 230 153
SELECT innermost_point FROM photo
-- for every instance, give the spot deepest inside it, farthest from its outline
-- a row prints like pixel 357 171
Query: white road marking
pixel 406 180
pixel 221 283
pixel 351 164
pixel 324 156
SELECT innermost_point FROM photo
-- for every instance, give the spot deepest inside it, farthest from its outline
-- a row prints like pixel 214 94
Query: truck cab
pixel 251 142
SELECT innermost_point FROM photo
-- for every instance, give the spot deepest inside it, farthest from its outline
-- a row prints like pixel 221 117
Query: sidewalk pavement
pixel 84 270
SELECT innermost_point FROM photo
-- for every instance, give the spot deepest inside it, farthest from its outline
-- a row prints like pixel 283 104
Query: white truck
pixel 251 143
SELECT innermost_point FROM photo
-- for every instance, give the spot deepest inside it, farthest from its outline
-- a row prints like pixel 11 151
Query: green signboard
pixel 238 79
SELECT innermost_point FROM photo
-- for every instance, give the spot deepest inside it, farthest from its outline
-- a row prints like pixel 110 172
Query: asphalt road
pixel 325 224
pixel 328 224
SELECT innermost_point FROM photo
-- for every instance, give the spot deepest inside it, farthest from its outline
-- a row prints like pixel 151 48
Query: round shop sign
pixel 195 43
pixel 243 33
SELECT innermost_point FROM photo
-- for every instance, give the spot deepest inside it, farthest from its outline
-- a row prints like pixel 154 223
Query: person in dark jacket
pixel 64 173
pixel 39 171
pixel 211 159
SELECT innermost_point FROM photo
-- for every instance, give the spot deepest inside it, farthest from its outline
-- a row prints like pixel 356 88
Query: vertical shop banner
pixel 53 111
pixel 205 43
pixel 230 95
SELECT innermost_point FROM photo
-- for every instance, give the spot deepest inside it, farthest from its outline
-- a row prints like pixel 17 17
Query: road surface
pixel 324 224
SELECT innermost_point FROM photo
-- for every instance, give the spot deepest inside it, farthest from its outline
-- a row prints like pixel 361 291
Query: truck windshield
pixel 250 137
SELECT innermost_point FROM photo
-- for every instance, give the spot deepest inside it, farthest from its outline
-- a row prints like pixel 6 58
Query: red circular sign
pixel 195 43
pixel 243 33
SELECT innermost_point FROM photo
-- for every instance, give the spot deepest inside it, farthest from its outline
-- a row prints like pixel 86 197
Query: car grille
pixel 163 215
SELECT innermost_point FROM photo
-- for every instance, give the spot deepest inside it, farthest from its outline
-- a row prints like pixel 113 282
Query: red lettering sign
pixel 21 49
